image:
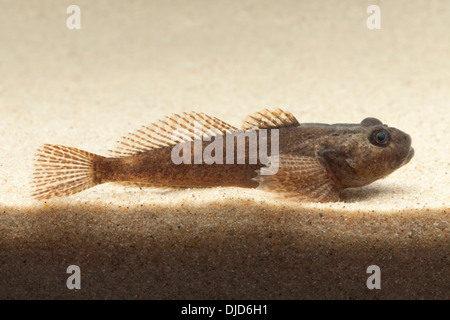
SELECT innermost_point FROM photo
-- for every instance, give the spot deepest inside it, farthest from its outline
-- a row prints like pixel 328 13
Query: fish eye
pixel 380 137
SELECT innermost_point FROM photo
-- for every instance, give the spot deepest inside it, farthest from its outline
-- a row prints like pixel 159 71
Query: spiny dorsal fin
pixel 267 119
pixel 300 177
pixel 161 133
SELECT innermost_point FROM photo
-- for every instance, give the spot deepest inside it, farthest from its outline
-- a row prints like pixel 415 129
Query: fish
pixel 307 162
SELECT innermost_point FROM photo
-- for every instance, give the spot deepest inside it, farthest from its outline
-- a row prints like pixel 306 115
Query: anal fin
pixel 140 184
pixel 300 177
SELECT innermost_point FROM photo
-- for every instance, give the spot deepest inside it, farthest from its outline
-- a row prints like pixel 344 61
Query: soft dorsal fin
pixel 161 133
pixel 267 119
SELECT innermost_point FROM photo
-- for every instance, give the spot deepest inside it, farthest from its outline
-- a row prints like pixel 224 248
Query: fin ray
pixel 300 177
pixel 267 119
pixel 160 134
pixel 61 171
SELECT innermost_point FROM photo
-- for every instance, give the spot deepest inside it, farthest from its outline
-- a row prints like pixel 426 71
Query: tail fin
pixel 61 171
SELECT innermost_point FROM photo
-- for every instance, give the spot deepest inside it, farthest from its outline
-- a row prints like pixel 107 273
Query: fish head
pixel 370 151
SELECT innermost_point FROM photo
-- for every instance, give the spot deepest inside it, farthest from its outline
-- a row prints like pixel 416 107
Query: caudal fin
pixel 61 171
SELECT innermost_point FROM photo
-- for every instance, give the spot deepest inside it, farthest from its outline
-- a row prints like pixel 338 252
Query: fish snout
pixel 407 140
pixel 409 156
pixel 408 150
pixel 407 143
pixel 401 148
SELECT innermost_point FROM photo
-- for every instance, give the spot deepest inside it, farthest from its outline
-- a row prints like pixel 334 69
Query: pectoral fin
pixel 300 177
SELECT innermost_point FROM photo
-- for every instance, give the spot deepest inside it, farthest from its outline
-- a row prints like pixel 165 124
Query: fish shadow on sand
pixel 216 249
pixel 350 195
pixel 367 193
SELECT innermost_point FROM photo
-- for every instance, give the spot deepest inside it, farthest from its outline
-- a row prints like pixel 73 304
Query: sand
pixel 133 62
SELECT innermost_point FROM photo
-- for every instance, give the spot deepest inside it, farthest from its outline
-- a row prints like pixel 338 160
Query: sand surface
pixel 134 62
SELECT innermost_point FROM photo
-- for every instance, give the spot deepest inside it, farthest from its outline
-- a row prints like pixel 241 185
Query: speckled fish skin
pixel 316 161
pixel 349 151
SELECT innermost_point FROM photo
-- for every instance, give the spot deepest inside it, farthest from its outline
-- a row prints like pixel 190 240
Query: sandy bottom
pixel 220 245
pixel 133 63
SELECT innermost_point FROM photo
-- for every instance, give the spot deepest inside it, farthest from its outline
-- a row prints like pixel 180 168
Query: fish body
pixel 314 161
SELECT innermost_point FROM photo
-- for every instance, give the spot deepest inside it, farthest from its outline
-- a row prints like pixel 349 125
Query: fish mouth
pixel 409 156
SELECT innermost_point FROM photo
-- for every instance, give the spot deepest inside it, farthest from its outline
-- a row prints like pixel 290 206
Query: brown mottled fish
pixel 315 161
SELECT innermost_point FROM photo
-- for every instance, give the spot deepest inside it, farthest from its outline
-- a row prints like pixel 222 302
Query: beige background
pixel 134 62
